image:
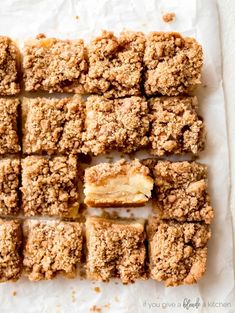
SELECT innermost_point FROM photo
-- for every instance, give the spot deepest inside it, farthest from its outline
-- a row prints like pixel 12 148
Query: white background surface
pixel 227 25
pixel 23 19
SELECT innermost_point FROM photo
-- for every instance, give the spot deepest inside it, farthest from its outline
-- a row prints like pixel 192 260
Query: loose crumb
pixel 95 308
pixel 169 17
pixel 97 289
pixel 14 293
pixel 77 17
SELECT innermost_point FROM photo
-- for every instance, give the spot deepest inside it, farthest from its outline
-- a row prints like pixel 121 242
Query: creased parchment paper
pixel 23 19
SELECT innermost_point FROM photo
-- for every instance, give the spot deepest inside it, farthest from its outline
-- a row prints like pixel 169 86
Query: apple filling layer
pixel 129 187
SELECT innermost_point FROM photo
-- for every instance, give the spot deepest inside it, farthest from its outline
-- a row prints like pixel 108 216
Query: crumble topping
pixel 99 173
pixel 50 186
pixel 53 125
pixel 175 126
pixel 115 64
pixel 52 247
pixel 54 65
pixel 182 191
pixel 9 142
pixel 115 249
pixel 119 124
pixel 9 186
pixel 10 242
pixel 9 67
pixel 173 64
pixel 178 251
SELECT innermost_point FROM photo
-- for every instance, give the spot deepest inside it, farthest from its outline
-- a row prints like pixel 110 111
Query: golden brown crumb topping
pixel 168 17
pixel 9 142
pixel 173 64
pixel 10 242
pixel 52 247
pixel 115 64
pixel 182 191
pixel 53 125
pixel 175 126
pixel 119 124
pixel 54 65
pixel 9 186
pixel 178 251
pixel 49 185
pixel 99 173
pixel 9 68
pixel 115 249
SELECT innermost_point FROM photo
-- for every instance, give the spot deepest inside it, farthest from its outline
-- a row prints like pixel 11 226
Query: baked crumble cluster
pixel 50 186
pixel 116 64
pixel 118 184
pixel 176 127
pixel 52 247
pixel 119 124
pixel 53 126
pixel 54 65
pixel 115 249
pixel 10 244
pixel 9 185
pixel 9 67
pixel 9 141
pixel 182 191
pixel 172 63
pixel 178 251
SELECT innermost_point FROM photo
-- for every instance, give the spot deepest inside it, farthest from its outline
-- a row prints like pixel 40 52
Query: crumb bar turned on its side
pixel 51 247
pixel 9 185
pixel 53 126
pixel 119 124
pixel 9 141
pixel 10 243
pixel 176 127
pixel 116 64
pixel 54 65
pixel 118 184
pixel 9 67
pixel 182 191
pixel 177 251
pixel 116 249
pixel 172 63
pixel 50 186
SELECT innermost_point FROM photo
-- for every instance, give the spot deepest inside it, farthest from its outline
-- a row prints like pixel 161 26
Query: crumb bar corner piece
pixel 53 126
pixel 9 67
pixel 54 65
pixel 182 191
pixel 116 249
pixel 51 248
pixel 116 64
pixel 176 127
pixel 9 139
pixel 50 186
pixel 177 251
pixel 118 124
pixel 10 244
pixel 173 64
pixel 118 184
pixel 9 185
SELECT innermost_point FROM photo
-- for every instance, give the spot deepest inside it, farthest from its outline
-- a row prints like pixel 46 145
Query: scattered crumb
pixel 128 210
pixel 107 306
pixel 168 17
pixel 97 289
pixel 14 293
pixel 116 299
pixel 73 295
pixel 95 308
pixel 77 17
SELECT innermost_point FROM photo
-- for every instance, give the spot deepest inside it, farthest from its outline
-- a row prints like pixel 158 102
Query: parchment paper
pixel 24 19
